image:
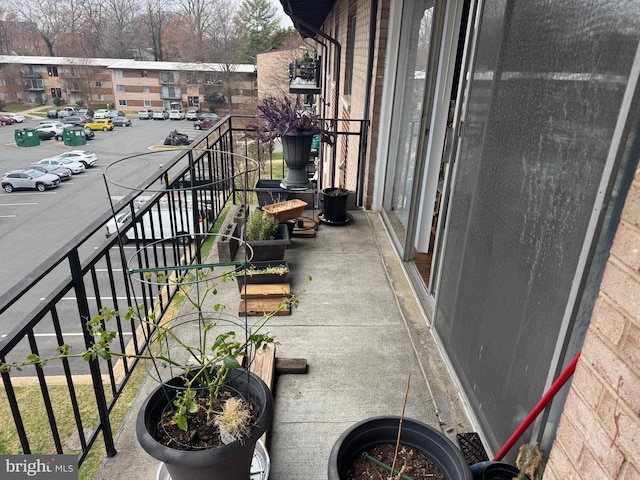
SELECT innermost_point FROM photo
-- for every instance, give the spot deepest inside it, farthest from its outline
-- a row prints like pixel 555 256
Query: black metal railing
pixel 50 307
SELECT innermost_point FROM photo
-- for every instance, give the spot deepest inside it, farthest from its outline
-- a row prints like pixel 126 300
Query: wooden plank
pixel 263 365
pixel 257 307
pixel 308 227
pixel 291 365
pixel 261 290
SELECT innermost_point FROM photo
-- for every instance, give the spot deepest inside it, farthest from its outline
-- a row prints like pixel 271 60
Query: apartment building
pixel 127 84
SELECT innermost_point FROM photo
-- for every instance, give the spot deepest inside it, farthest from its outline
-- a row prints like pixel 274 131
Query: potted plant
pixel 267 238
pixel 335 201
pixel 370 433
pixel 209 410
pixel 296 127
pixel 255 272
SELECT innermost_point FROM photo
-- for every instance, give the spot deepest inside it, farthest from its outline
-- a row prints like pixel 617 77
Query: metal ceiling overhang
pixel 305 14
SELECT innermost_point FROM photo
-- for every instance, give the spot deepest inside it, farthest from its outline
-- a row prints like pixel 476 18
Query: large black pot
pixel 296 150
pixel 229 462
pixel 335 206
pixel 373 431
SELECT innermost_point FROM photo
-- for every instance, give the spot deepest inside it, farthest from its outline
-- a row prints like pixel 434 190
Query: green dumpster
pixel 27 137
pixel 74 136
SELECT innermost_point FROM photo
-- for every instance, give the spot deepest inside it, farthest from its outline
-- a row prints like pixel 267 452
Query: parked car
pixel 29 178
pixel 62 172
pixel 56 127
pixel 45 135
pixel 104 124
pixel 192 114
pixel 67 112
pixel 203 124
pixel 86 112
pixel 74 166
pixel 160 115
pixel 116 113
pixel 88 159
pixel 122 121
pixel 144 114
pixel 209 116
pixel 89 134
pixel 101 113
pixel 176 115
pixel 4 120
pixel 176 138
pixel 52 114
pixel 74 120
pixel 17 118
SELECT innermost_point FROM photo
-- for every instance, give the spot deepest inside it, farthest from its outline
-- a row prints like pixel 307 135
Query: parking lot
pixel 34 224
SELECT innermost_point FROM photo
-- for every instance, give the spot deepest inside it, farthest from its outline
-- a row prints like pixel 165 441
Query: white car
pixel 192 114
pixel 88 159
pixel 160 115
pixel 55 127
pixel 144 114
pixel 101 113
pixel 29 178
pixel 176 115
pixel 75 167
pixel 17 118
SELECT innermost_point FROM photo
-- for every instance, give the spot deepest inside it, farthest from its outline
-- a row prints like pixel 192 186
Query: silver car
pixel 75 167
pixel 63 173
pixel 29 178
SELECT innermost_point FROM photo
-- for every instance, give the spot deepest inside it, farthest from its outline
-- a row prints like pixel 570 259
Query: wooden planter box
pixel 268 278
pixel 286 210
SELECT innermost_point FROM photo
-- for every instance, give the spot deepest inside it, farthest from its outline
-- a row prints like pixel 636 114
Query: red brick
pixel 631 347
pixel 633 472
pixel 614 370
pixel 583 383
pixel 631 210
pixel 608 321
pixel 622 289
pixel 626 246
pixel 559 464
pixel 590 468
pixel 570 439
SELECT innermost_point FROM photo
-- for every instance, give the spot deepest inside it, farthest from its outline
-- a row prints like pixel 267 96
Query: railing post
pixel 96 378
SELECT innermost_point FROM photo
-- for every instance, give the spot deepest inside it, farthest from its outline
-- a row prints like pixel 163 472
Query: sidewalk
pixel 362 333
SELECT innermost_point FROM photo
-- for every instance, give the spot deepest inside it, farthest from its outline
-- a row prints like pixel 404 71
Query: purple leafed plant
pixel 284 117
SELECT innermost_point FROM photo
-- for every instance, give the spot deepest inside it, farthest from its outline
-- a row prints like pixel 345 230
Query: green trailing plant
pixel 261 226
pixel 210 358
pixel 253 270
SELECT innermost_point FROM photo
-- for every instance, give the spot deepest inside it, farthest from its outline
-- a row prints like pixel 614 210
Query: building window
pixel 143 73
pixel 100 97
pixel 56 92
pixel 52 71
pixel 98 83
pixel 147 103
pixel 118 74
pixel 145 89
pixel 351 40
pixel 120 88
pixel 122 103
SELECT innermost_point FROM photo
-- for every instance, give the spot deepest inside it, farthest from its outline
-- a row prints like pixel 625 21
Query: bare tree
pixel 156 17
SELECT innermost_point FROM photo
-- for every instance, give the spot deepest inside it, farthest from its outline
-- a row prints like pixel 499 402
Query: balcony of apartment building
pixel 357 303
pixel 304 76
pixel 34 85
pixel 30 73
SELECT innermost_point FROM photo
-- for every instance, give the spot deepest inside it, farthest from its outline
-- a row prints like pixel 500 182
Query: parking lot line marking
pixel 17 204
pixel 7 216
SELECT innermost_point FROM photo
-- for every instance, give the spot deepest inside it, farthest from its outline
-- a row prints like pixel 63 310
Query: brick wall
pixel 599 432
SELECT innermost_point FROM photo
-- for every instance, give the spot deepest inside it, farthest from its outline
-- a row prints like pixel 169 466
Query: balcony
pixel 356 327
pixel 304 76
pixel 31 74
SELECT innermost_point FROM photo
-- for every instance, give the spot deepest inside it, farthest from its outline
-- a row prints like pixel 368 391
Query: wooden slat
pixel 259 306
pixel 263 365
pixel 308 228
pixel 261 290
pixel 291 365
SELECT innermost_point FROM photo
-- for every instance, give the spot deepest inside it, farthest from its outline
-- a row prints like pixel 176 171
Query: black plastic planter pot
pixel 296 150
pixel 229 462
pixel 373 431
pixel 265 250
pixel 335 206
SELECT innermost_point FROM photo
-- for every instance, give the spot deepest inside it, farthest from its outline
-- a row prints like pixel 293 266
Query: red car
pixel 6 120
pixel 203 124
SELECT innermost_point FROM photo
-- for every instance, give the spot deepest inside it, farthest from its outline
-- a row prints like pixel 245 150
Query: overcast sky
pixel 285 21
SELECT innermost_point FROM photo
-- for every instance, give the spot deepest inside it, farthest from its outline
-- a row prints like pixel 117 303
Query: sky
pixel 285 21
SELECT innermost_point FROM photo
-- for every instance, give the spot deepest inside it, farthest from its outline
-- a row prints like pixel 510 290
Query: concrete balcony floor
pixel 362 333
